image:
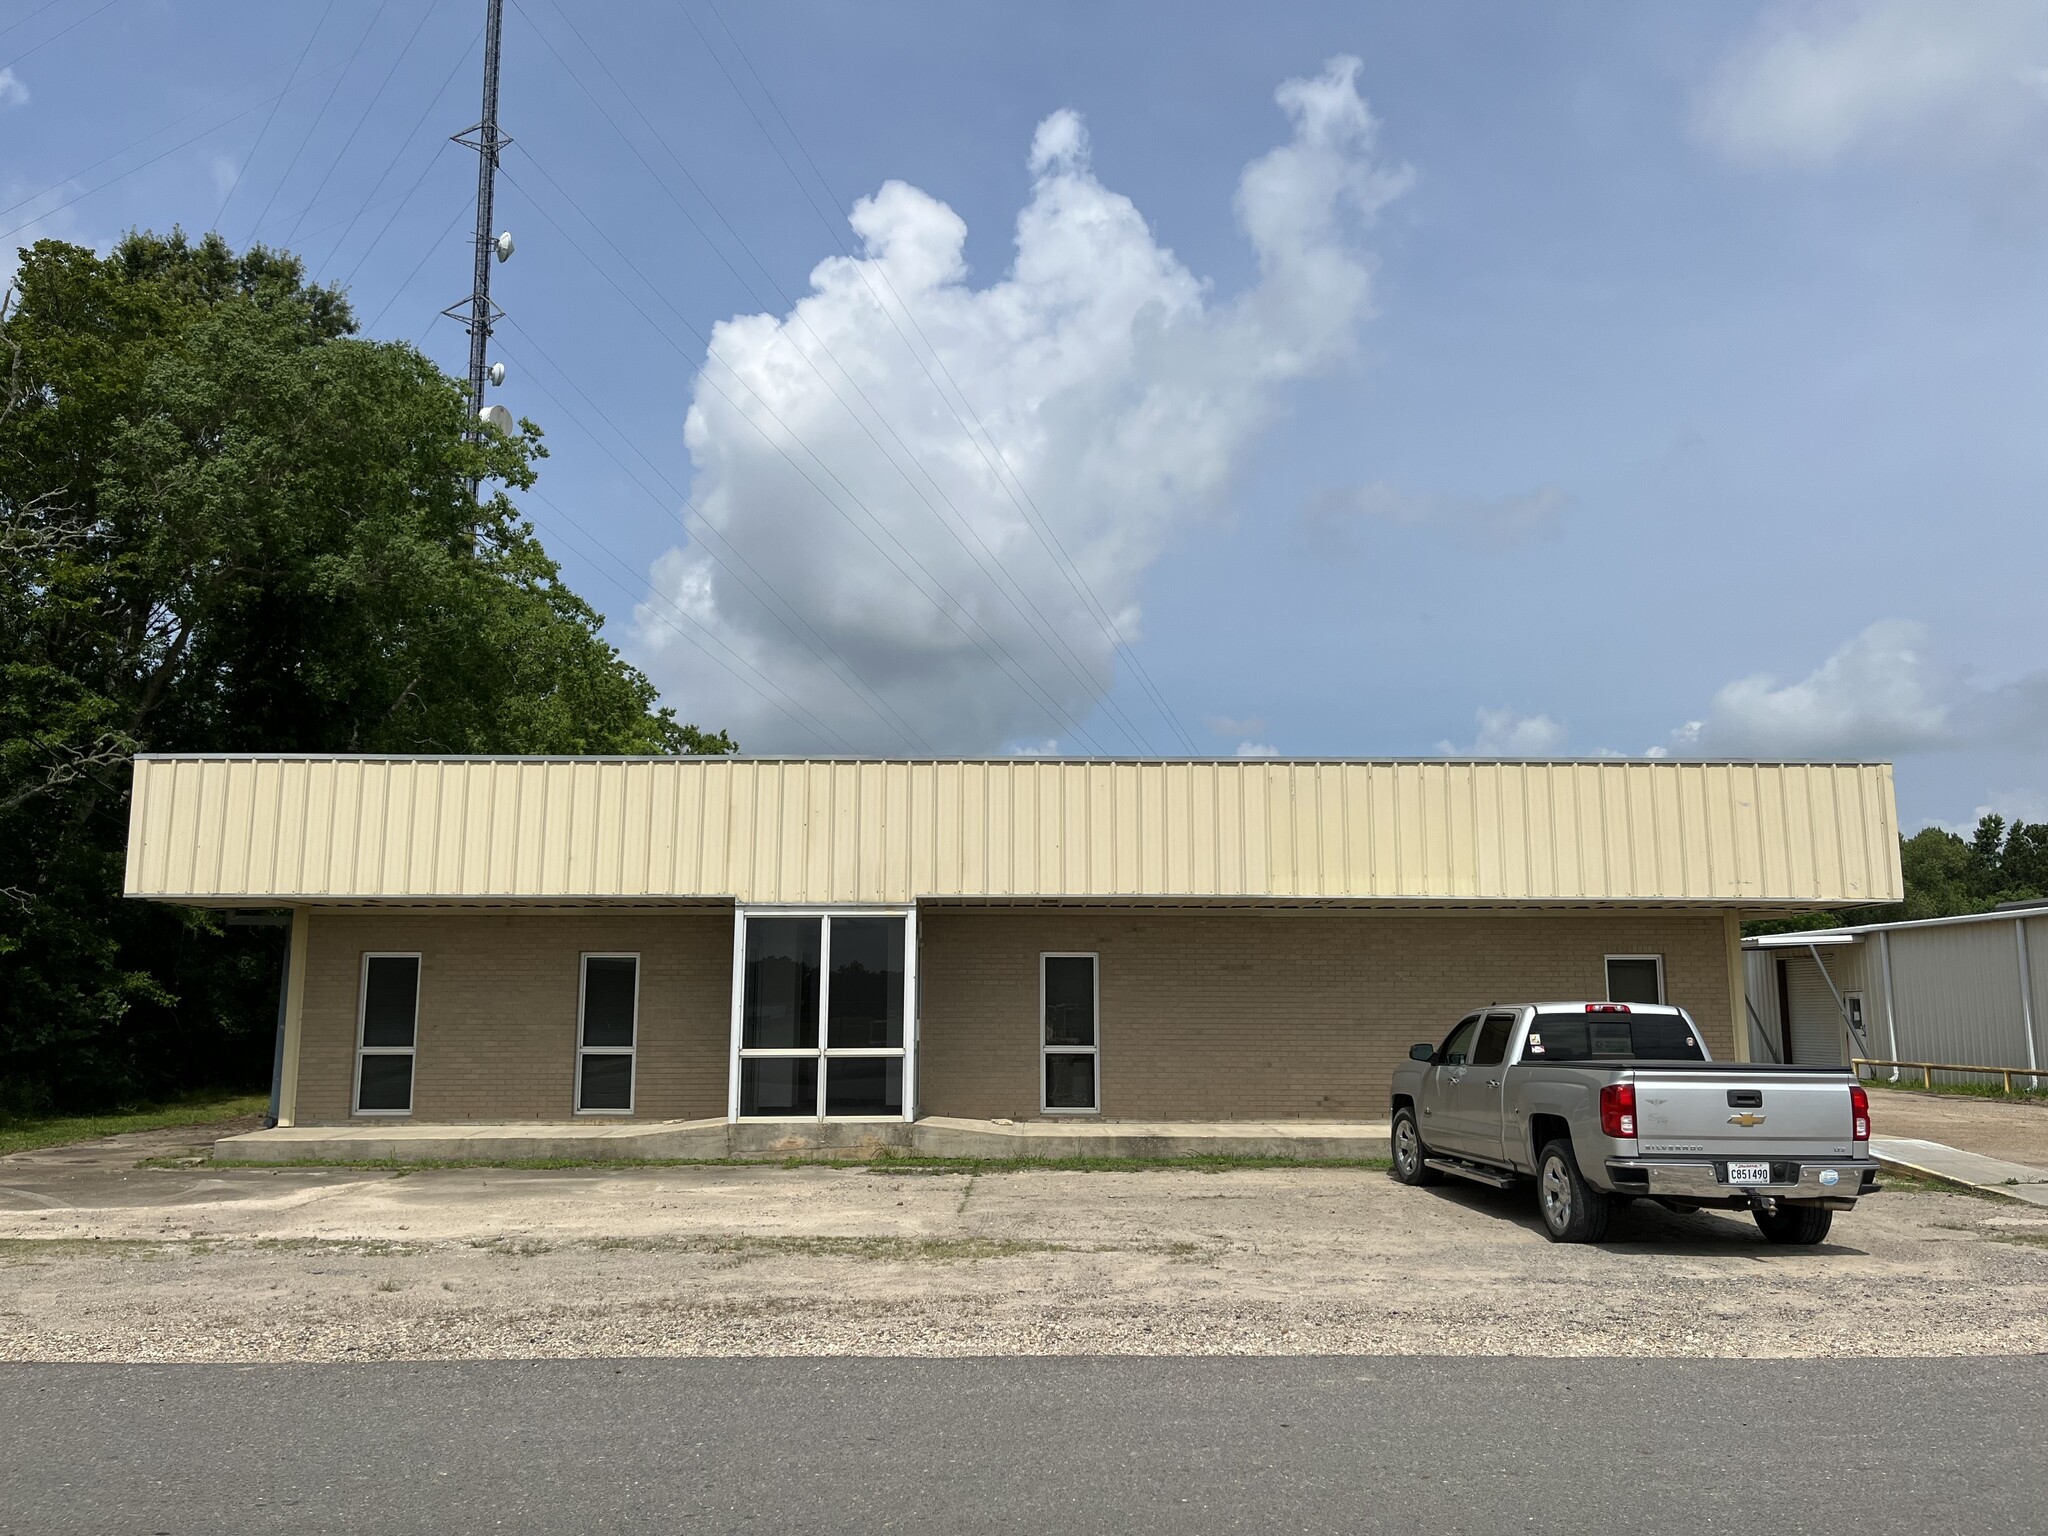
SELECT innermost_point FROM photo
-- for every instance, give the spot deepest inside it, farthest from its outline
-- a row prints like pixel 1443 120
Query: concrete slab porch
pixel 933 1136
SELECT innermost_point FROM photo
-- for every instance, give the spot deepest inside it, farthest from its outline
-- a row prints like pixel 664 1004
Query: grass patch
pixel 1900 1182
pixel 28 1250
pixel 2020 1239
pixel 885 1162
pixel 24 1134
pixel 1989 1088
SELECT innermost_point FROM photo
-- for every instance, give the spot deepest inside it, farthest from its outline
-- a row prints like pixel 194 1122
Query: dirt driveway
pixel 101 1260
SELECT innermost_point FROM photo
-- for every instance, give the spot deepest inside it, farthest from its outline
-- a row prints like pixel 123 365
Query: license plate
pixel 1749 1173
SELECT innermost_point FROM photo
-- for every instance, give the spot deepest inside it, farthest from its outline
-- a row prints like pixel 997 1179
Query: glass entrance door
pixel 823 1015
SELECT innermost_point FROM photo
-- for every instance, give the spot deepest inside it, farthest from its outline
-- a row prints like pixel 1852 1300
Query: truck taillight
pixel 1607 1007
pixel 1618 1111
pixel 1859 1111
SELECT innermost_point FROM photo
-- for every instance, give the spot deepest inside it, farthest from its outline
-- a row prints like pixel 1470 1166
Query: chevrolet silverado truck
pixel 1601 1103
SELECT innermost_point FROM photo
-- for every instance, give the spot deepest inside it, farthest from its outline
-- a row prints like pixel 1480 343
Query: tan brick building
pixel 682 939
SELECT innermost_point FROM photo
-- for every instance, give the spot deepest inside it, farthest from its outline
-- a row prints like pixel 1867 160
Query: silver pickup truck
pixel 1603 1102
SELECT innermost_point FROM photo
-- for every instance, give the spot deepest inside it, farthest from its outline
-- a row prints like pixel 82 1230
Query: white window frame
pixel 824 1051
pixel 355 1093
pixel 630 1051
pixel 1607 975
pixel 1095 1050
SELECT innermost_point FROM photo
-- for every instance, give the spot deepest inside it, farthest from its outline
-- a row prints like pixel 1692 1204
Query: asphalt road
pixel 1039 1445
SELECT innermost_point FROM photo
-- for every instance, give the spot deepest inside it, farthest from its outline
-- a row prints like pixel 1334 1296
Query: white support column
pixel 739 986
pixel 911 1013
pixel 294 1017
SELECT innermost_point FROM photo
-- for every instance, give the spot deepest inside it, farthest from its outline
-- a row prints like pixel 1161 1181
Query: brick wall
pixel 1207 1016
pixel 1249 1016
pixel 497 1019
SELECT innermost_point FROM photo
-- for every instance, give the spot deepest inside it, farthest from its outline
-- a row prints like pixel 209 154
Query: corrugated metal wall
pixel 767 830
pixel 1956 990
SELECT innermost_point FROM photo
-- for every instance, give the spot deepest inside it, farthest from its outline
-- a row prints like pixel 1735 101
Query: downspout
pixel 2019 936
pixel 1891 1017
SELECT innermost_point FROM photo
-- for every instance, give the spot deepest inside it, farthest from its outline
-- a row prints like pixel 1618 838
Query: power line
pixel 275 101
pixel 54 36
pixel 31 16
pixel 320 116
pixel 798 716
pixel 183 117
pixel 392 163
pixel 341 154
pixel 124 175
pixel 439 240
pixel 952 608
pixel 987 561
pixel 866 692
pixel 1041 526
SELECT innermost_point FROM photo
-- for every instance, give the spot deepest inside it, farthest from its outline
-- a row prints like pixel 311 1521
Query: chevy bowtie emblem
pixel 1745 1118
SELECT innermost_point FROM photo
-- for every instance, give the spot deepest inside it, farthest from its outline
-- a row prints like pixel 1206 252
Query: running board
pixel 1470 1171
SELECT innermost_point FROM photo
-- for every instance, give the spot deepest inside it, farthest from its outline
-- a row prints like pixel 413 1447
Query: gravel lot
pixel 101 1260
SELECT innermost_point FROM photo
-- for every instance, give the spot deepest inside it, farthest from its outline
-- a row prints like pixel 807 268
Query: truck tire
pixel 1573 1211
pixel 1409 1152
pixel 1798 1225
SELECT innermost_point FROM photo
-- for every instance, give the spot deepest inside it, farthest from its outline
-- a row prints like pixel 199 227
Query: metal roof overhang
pixel 247 831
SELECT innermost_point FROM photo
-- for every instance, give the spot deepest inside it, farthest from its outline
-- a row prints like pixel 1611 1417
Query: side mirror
pixel 1422 1053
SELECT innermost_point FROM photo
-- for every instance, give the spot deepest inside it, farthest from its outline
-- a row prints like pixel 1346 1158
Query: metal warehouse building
pixel 1965 990
pixel 680 939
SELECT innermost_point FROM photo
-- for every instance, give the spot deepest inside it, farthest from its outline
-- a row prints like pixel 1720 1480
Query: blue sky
pixel 1558 379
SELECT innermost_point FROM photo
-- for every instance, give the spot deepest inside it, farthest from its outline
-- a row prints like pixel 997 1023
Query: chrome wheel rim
pixel 1404 1144
pixel 1557 1195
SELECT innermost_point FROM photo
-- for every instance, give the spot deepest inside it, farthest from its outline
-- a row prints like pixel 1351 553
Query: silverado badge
pixel 1745 1119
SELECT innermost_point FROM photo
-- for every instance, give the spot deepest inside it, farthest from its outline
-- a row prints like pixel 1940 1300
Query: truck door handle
pixel 1493 1082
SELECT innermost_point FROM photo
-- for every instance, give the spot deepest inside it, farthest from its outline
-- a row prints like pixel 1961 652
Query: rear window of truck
pixel 1611 1037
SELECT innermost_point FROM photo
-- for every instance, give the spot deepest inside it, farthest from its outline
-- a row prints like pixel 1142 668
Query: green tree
pixel 229 524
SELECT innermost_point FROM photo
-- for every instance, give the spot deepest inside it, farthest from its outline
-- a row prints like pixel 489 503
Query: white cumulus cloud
pixel 1505 733
pixel 1257 749
pixel 12 92
pixel 1931 80
pixel 900 457
pixel 1882 695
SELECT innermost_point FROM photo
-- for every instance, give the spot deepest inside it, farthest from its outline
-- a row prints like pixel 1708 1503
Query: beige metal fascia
pixel 255 831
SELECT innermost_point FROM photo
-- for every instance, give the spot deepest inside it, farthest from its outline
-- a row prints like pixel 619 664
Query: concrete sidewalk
pixel 932 1136
pixel 1992 1174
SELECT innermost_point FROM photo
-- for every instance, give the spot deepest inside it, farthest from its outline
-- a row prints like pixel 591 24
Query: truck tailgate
pixel 1759 1114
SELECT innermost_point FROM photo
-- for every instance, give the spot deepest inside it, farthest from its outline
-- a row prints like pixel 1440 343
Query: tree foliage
pixel 229 524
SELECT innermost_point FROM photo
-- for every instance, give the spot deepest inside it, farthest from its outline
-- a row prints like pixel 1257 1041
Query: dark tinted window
pixel 778 1086
pixel 608 987
pixel 780 1010
pixel 387 1083
pixel 1612 1037
pixel 607 1081
pixel 1069 1000
pixel 867 986
pixel 864 1085
pixel 391 993
pixel 1492 1045
pixel 1069 1081
pixel 1635 979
